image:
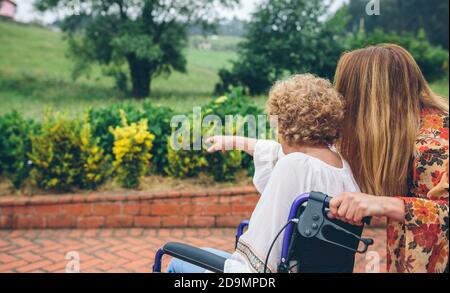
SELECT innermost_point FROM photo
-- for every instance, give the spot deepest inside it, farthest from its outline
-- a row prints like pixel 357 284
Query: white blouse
pixel 281 179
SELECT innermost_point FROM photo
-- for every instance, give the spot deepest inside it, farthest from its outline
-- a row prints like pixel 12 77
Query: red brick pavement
pixel 120 250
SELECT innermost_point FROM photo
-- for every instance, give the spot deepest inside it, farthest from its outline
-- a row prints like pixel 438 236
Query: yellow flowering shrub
pixel 224 166
pixel 184 163
pixel 55 154
pixel 96 169
pixel 189 163
pixel 132 146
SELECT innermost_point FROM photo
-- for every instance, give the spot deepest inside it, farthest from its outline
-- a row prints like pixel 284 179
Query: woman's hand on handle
pixel 354 207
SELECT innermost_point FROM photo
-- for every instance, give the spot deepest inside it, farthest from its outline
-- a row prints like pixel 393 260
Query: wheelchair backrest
pixel 313 255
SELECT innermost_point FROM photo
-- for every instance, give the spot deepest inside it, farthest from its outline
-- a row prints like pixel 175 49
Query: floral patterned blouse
pixel 421 243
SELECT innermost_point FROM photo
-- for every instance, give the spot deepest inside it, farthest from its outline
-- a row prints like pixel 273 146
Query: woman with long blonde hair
pixel 395 138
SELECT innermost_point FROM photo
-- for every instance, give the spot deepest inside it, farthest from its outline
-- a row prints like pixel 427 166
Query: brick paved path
pixel 125 250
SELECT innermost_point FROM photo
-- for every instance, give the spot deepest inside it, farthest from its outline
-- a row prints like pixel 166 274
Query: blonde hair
pixel 385 91
pixel 309 110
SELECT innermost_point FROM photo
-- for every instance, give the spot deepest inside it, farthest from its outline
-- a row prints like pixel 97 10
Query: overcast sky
pixel 26 13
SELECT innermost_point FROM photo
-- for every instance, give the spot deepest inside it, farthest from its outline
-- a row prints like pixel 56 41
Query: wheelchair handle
pixel 366 220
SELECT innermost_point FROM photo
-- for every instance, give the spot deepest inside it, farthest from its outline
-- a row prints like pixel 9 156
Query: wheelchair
pixel 312 243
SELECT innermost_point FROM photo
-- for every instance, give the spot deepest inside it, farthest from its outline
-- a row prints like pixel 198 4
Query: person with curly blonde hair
pixel 309 110
pixel 310 113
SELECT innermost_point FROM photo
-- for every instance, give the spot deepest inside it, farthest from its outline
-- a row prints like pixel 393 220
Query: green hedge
pixel 158 118
pixel 121 142
pixel 15 144
pixel 433 61
pixel 56 154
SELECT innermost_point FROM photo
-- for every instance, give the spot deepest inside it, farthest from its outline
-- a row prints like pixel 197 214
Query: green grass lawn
pixel 35 74
pixel 441 87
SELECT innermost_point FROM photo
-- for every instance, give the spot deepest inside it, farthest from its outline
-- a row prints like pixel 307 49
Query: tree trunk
pixel 140 77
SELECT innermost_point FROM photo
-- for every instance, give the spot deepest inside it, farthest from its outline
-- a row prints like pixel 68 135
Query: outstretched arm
pixel 265 152
pixel 229 143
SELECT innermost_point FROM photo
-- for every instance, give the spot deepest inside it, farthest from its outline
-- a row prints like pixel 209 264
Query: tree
pixel 402 16
pixel 285 37
pixel 433 60
pixel 147 35
pixel 226 27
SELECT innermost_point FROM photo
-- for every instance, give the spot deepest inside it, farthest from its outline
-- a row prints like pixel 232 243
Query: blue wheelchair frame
pixel 311 226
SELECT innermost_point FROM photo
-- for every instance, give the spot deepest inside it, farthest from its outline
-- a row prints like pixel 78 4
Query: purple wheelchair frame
pixel 319 198
pixel 299 201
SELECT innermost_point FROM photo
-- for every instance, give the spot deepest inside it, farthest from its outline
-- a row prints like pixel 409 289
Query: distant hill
pixel 234 28
pixel 35 70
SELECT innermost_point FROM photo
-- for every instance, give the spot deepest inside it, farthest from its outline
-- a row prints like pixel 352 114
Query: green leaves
pixel 56 154
pixel 62 154
pixel 432 60
pixel 159 124
pixel 399 16
pixel 149 35
pixel 140 45
pixel 221 166
pixel 284 37
pixel 15 144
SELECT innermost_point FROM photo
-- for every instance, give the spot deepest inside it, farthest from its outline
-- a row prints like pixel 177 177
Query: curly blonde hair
pixel 310 111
